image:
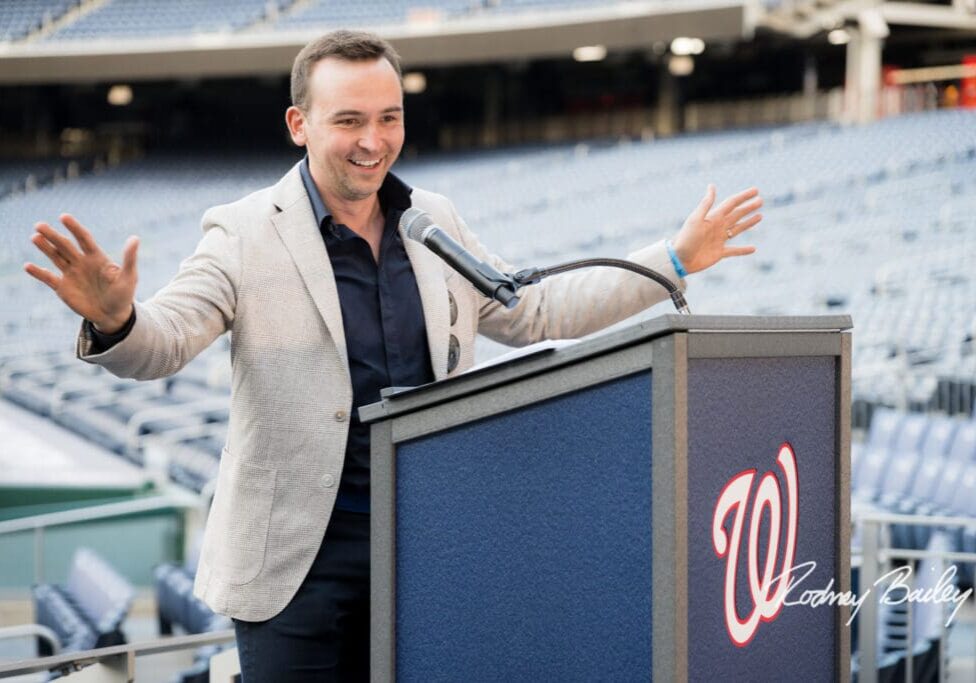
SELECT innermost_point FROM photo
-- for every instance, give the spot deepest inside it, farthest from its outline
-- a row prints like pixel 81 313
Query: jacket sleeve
pixel 571 304
pixel 184 317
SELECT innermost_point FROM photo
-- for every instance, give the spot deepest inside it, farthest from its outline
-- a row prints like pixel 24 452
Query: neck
pixel 360 215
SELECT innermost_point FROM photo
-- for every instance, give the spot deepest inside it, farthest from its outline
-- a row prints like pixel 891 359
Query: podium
pixel 666 501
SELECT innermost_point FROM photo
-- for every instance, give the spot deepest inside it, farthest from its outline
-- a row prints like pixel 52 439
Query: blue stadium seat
pixel 873 461
pixel 178 607
pixel 904 460
pixel 88 610
pixel 960 459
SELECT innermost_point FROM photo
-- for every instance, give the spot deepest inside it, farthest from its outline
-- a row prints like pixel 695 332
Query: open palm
pixel 90 283
pixel 702 240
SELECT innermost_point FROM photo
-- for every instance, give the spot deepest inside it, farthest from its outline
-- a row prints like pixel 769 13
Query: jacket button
pixel 452 305
pixel 341 416
pixel 453 353
pixel 328 481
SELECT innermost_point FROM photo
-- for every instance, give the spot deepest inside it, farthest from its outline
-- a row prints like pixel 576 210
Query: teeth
pixel 365 164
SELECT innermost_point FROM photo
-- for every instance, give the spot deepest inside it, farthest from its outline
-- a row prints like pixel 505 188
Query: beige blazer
pixel 261 272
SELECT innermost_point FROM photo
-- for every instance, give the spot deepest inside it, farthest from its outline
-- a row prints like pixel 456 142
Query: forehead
pixel 366 85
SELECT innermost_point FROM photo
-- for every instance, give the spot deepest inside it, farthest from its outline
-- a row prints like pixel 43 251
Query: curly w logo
pixel 768 588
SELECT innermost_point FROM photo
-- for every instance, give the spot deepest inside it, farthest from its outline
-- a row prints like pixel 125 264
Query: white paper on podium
pixel 524 352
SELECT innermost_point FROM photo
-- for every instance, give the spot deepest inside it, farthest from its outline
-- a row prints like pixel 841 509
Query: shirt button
pixel 328 481
pixel 340 416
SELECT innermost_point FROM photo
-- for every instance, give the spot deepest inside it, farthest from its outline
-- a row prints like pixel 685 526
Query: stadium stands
pixel 19 18
pixel 370 13
pixel 88 610
pixel 141 18
pixel 177 607
pixel 876 221
pixel 162 18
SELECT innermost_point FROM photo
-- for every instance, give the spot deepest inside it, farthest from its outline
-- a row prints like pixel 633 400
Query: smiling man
pixel 327 303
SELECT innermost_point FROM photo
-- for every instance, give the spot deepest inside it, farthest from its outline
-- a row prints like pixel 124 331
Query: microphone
pixel 486 279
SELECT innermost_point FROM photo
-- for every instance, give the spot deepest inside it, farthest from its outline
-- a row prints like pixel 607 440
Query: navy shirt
pixel 386 336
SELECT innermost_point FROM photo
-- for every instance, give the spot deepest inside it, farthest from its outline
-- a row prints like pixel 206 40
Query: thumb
pixel 129 253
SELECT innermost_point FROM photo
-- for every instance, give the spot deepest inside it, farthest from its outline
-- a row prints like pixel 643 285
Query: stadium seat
pixel 88 610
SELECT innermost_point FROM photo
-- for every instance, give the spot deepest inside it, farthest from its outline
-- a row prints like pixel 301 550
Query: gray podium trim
pixel 843 487
pixel 669 509
pixel 751 345
pixel 527 391
pixel 476 381
pixel 382 552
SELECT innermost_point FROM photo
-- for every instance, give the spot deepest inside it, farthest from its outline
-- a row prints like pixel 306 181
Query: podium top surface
pixel 406 400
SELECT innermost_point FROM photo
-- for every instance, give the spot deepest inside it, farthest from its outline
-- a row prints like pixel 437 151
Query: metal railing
pixel 115 664
pixel 39 523
pixel 875 555
pixel 32 631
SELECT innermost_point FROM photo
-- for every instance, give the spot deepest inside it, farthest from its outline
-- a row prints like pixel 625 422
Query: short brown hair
pixel 352 46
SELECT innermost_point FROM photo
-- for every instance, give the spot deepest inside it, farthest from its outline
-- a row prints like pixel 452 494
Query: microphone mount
pixel 531 276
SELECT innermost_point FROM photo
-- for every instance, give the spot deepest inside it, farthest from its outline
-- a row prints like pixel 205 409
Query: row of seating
pixel 151 18
pixel 87 611
pixel 888 210
pixel 178 423
pixel 178 609
pixel 917 464
pixel 141 18
pixel 19 18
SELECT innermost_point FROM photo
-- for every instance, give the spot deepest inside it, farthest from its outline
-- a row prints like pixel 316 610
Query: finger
pixel 705 205
pixel 738 251
pixel 736 199
pixel 129 254
pixel 62 243
pixel 82 235
pixel 747 224
pixel 50 251
pixel 44 275
pixel 744 211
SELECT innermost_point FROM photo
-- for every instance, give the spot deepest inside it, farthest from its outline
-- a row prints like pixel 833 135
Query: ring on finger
pixel 728 233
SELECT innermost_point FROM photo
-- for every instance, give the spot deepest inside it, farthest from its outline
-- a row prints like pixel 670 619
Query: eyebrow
pixel 353 112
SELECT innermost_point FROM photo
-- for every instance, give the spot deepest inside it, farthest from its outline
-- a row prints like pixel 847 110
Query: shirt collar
pixel 393 194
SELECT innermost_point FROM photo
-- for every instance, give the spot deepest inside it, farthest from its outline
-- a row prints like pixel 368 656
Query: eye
pixel 346 122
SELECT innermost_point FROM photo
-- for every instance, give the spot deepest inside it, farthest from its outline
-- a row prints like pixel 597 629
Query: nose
pixel 370 138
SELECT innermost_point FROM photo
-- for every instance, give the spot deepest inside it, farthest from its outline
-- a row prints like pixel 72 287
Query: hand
pixel 91 284
pixel 701 242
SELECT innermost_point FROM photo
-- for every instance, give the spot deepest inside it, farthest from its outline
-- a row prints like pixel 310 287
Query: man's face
pixel 353 126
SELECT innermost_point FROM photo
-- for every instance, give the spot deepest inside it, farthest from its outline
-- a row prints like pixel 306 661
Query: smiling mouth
pixel 366 163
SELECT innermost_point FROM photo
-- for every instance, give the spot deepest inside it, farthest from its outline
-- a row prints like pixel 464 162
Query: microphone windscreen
pixel 414 221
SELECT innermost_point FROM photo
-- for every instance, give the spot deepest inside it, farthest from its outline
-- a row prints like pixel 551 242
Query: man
pixel 327 303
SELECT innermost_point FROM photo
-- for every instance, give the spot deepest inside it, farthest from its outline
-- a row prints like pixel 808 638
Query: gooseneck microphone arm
pixel 531 276
pixel 501 287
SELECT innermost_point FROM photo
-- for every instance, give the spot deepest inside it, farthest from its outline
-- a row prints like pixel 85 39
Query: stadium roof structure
pixel 806 18
pixel 421 41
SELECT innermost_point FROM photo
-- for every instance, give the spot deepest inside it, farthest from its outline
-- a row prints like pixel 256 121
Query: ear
pixel 295 120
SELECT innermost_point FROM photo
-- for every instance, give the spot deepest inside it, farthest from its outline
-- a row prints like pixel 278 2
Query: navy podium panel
pixel 748 419
pixel 498 522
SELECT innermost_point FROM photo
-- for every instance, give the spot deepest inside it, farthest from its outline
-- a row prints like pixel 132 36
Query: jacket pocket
pixel 240 519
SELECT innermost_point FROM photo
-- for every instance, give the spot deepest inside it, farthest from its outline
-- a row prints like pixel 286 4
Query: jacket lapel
pixel 428 269
pixel 296 226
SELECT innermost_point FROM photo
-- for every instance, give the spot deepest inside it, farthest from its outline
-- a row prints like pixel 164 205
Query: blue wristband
pixel 675 261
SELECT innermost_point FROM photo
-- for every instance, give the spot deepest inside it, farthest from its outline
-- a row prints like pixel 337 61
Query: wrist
pixel 676 260
pixel 112 326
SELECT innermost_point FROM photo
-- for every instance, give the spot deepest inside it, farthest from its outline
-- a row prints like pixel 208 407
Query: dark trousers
pixel 323 633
